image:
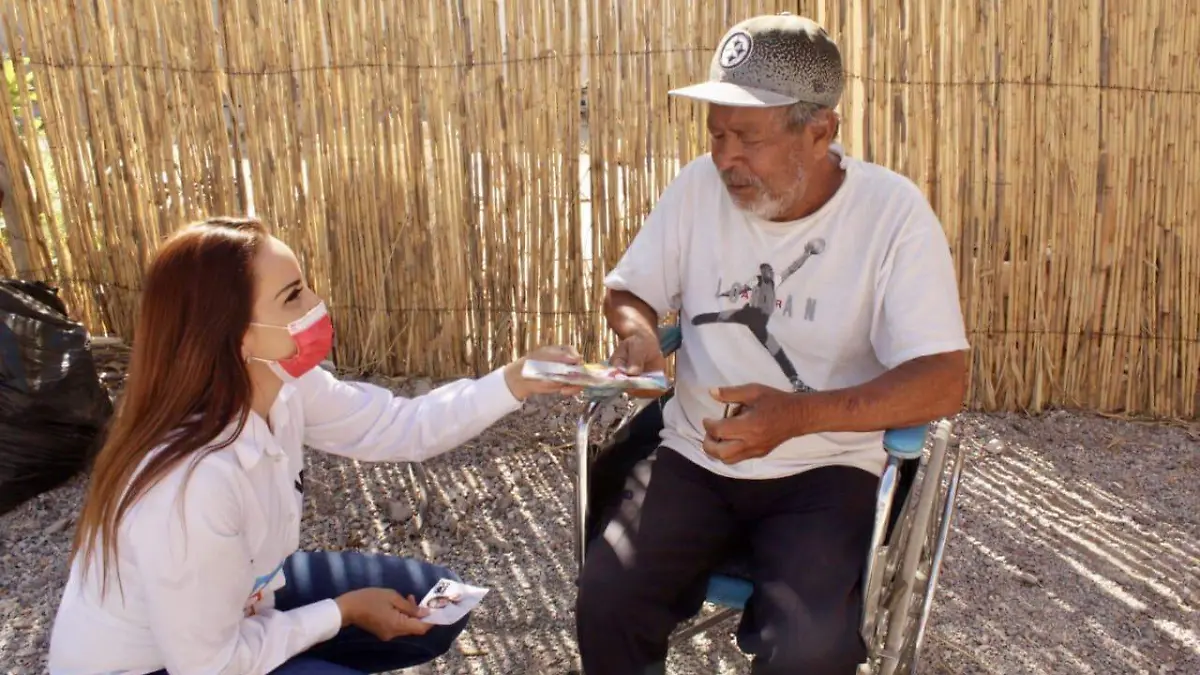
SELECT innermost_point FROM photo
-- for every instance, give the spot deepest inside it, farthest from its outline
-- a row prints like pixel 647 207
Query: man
pixel 818 300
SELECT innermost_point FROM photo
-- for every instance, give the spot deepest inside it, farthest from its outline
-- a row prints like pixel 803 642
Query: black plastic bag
pixel 53 409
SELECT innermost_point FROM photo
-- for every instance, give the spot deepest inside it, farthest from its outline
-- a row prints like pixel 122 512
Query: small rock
pixel 1028 579
pixel 58 526
pixel 399 512
pixel 995 446
pixel 498 543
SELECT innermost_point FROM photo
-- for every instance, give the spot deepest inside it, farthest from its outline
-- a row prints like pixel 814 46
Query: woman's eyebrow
pixel 285 289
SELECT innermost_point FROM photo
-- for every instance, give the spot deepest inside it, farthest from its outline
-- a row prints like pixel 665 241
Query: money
pixel 593 376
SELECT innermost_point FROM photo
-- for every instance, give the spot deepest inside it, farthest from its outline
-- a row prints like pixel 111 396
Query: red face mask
pixel 313 335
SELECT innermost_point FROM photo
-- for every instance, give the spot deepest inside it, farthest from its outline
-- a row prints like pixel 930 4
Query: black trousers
pixel 656 545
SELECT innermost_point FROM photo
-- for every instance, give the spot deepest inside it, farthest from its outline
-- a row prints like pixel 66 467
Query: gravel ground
pixel 1076 547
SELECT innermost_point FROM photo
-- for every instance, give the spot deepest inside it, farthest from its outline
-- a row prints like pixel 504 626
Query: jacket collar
pixel 256 438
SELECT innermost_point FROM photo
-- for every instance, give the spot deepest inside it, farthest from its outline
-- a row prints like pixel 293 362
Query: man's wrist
pixel 811 413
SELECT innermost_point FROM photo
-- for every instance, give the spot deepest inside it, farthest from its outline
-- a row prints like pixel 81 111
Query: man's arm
pixel 915 392
pixel 647 282
pixel 627 314
pixel 636 324
pixel 917 334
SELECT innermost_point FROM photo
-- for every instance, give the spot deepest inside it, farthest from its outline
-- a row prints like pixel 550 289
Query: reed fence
pixel 430 163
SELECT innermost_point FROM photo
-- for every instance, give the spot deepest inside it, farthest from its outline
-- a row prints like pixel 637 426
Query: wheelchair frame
pixel 907 544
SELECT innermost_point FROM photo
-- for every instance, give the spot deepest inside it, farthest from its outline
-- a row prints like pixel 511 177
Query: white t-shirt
pixel 826 302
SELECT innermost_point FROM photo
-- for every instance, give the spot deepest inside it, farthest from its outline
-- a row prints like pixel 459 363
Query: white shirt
pixel 199 589
pixel 836 299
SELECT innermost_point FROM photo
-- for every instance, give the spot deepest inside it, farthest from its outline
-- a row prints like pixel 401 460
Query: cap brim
pixel 727 93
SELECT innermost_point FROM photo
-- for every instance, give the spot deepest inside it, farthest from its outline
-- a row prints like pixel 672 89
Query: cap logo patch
pixel 735 50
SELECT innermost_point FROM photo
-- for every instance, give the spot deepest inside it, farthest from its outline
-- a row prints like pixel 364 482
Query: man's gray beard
pixel 768 206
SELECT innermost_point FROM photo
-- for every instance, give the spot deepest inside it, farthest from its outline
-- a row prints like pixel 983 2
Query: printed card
pixel 449 601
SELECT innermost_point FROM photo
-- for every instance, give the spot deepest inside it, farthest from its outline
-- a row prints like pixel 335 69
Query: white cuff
pixel 320 621
pixel 495 398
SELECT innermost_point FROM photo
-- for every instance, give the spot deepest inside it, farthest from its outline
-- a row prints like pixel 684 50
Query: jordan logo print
pixel 761 303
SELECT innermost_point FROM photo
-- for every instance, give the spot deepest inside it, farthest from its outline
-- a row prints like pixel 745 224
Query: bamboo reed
pixel 424 160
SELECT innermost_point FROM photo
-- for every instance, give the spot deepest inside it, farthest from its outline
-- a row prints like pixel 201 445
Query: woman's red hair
pixel 187 378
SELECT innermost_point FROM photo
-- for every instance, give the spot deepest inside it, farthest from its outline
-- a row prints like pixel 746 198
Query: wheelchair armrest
pixel 905 442
pixel 670 338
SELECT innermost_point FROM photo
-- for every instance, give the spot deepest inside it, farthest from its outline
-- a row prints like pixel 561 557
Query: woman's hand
pixel 523 388
pixel 383 613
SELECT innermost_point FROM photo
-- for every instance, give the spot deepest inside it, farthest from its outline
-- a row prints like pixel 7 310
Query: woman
pixel 185 558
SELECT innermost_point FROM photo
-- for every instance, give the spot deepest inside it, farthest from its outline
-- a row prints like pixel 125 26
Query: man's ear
pixel 824 129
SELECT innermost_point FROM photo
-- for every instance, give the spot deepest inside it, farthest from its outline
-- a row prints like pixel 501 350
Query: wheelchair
pixel 914 508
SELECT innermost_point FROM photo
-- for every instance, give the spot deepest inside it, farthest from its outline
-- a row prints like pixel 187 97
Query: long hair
pixel 187 379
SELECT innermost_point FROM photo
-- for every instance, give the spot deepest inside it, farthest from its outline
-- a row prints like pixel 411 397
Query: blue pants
pixel 353 651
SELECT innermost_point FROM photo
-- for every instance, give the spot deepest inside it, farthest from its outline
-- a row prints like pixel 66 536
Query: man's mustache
pixel 737 179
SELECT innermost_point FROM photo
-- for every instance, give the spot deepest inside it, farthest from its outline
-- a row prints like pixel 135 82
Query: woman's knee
pixel 437 573
pixel 406 576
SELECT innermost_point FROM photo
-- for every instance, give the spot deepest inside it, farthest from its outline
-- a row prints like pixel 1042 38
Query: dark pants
pixel 353 651
pixel 647 569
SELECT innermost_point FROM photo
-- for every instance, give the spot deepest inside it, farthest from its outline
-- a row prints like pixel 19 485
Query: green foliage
pixel 14 87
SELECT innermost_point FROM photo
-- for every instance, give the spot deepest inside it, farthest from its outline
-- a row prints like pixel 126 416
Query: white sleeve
pixel 917 310
pixel 651 266
pixel 370 423
pixel 192 574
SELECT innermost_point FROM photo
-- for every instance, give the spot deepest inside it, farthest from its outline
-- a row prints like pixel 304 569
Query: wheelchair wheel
pixel 913 558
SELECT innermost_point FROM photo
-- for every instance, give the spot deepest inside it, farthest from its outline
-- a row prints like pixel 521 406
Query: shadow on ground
pixel 1077 548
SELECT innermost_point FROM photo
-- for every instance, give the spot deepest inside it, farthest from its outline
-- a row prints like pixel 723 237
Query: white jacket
pixel 198 587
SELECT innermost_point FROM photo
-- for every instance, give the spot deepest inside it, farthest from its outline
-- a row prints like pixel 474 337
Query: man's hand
pixel 764 421
pixel 383 612
pixel 639 353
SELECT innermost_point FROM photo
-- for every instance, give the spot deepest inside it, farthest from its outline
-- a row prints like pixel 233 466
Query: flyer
pixel 594 376
pixel 449 601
